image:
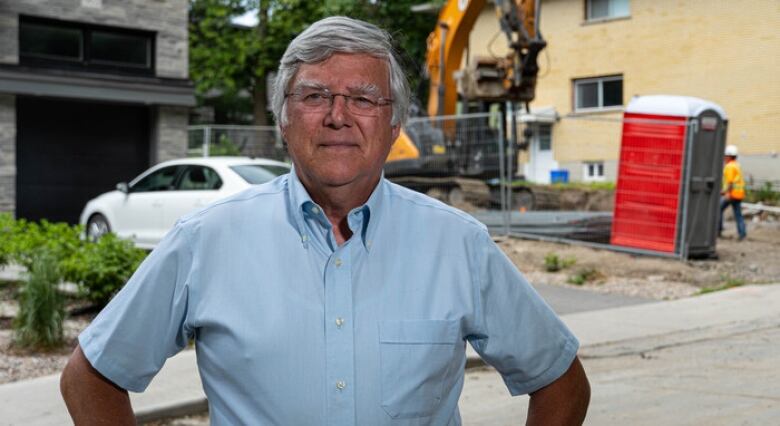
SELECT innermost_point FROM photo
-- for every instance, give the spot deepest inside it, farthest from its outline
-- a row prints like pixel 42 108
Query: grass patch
pixel 583 276
pixel 765 193
pixel 727 284
pixel 554 263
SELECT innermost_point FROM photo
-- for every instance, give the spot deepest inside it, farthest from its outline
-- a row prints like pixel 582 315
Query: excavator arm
pixel 430 156
pixel 518 20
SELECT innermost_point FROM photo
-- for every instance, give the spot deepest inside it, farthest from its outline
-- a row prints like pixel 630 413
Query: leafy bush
pixel 59 240
pixel 41 306
pixel 7 235
pixel 102 268
pixel 99 269
pixel 553 263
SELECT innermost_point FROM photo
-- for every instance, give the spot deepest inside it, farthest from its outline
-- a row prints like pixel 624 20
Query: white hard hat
pixel 731 150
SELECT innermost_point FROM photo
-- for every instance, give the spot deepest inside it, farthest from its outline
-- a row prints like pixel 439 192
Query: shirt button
pixel 339 322
pixel 338 262
pixel 315 210
pixel 305 238
pixel 340 385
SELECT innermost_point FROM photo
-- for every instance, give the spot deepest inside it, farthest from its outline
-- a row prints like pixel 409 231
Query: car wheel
pixel 97 226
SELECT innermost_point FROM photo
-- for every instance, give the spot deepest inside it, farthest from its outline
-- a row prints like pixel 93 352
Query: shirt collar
pixel 300 199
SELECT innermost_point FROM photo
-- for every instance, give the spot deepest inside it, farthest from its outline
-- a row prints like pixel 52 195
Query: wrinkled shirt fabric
pixel 291 328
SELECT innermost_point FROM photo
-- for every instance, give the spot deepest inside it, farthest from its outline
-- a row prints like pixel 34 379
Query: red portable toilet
pixel 668 185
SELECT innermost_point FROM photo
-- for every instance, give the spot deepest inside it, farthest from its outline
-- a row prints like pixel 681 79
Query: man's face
pixel 334 147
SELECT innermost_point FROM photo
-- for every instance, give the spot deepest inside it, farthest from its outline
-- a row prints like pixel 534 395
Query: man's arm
pixel 91 398
pixel 562 402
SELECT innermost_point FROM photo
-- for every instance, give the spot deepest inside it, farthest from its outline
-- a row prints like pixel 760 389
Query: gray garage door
pixel 71 151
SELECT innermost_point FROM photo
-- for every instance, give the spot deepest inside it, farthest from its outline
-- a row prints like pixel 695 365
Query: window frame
pixel 86 62
pixel 178 170
pixel 600 80
pixel 597 167
pixel 180 179
pixel 588 12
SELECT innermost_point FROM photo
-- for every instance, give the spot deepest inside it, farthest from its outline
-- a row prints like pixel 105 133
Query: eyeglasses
pixel 315 100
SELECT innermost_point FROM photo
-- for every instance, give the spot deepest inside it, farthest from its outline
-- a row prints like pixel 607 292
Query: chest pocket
pixel 416 357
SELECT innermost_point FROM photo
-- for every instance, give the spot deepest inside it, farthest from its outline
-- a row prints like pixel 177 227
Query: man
pixel 733 191
pixel 329 296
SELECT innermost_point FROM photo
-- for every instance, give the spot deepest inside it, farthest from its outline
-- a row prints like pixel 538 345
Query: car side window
pixel 199 178
pixel 161 180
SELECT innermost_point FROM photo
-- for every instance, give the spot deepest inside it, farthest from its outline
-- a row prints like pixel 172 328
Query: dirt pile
pixel 755 260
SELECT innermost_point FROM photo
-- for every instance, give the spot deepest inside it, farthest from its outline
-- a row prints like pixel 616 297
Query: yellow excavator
pixel 433 156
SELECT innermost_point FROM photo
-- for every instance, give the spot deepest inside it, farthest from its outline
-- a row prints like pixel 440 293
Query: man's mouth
pixel 339 145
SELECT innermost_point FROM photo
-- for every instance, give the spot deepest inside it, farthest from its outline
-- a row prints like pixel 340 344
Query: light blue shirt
pixel 292 329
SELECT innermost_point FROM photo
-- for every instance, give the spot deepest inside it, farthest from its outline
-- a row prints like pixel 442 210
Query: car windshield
pixel 256 173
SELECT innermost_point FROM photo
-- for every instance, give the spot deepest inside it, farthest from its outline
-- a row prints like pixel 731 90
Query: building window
pixel 598 10
pixel 598 93
pixel 593 171
pixel 545 137
pixel 58 44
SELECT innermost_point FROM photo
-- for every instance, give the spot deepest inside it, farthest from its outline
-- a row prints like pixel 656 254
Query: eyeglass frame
pixel 330 99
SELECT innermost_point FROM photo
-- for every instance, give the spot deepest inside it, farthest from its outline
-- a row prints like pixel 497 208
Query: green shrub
pixel 7 236
pixel 41 306
pixel 58 239
pixel 102 268
pixel 224 146
pixel 583 275
pixel 553 263
pixel 763 194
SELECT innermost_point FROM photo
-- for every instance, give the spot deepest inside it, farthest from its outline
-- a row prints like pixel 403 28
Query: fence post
pixel 502 176
pixel 206 140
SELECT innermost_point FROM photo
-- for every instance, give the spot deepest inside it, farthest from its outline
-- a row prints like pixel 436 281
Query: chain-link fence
pixel 642 184
pixel 234 140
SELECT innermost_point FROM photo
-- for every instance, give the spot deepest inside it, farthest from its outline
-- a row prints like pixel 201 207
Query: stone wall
pixel 7 153
pixel 168 18
pixel 170 136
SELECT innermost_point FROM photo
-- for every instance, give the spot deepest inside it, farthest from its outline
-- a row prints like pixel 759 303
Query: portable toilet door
pixel 669 175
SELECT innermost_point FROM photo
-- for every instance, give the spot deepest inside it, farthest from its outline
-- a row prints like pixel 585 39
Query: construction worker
pixel 733 190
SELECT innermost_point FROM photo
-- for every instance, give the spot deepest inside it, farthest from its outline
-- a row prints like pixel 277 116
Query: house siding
pixel 725 52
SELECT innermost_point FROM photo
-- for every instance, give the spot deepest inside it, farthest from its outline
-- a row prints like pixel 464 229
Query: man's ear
pixel 396 131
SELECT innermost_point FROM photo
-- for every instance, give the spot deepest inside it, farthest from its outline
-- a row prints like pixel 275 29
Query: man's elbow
pixel 563 402
pixel 68 380
pixel 92 398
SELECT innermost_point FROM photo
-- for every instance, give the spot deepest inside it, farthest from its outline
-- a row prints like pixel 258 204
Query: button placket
pixel 339 337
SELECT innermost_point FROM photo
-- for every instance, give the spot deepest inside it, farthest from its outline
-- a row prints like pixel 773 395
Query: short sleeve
pixel 729 173
pixel 517 332
pixel 145 323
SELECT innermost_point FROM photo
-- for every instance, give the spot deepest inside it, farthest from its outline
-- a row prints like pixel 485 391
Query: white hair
pixel 339 34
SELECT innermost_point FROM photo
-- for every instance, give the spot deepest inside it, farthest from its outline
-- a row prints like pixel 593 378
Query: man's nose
pixel 338 115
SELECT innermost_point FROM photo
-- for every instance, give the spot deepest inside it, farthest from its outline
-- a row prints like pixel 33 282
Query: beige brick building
pixel 600 53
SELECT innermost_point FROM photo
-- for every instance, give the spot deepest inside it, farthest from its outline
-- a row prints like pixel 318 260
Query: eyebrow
pixel 364 88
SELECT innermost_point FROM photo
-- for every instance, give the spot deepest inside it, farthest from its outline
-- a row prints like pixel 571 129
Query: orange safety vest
pixel 732 177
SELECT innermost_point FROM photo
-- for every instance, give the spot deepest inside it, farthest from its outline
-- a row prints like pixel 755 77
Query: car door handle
pixel 157 203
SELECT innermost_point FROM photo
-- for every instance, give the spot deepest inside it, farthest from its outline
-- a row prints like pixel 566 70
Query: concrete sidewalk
pixel 176 390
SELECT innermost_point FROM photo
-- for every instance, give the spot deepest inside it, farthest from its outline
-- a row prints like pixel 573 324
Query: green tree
pixel 235 61
pixel 409 29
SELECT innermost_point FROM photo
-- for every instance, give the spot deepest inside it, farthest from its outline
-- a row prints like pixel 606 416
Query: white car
pixel 147 208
